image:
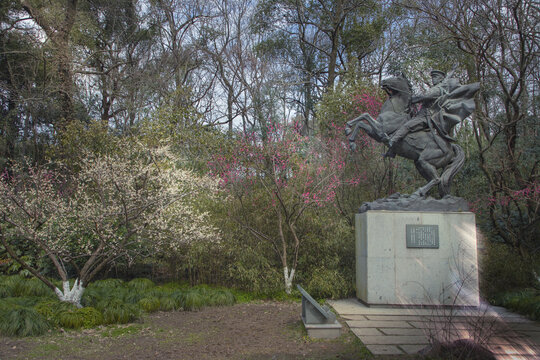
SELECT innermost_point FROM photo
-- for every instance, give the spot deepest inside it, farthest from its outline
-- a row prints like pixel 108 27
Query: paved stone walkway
pixel 393 331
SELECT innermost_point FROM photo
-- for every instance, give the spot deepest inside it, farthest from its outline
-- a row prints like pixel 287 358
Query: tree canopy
pixel 83 83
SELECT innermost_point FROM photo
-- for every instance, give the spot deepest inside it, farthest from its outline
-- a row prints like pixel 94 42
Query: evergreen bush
pixel 52 309
pixel 26 301
pixel 80 318
pixel 107 283
pixel 168 303
pixel 526 302
pixel 23 321
pixel 503 269
pixel 110 301
pixel 327 283
pixel 193 300
pixel 149 304
pixel 140 284
pixel 34 287
pixel 117 312
pixel 221 298
pixel 10 285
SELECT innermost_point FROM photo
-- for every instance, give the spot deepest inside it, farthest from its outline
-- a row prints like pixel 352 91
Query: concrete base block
pixel 323 331
pixel 391 271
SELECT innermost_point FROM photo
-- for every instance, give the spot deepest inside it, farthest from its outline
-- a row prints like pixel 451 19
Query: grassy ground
pixel 256 330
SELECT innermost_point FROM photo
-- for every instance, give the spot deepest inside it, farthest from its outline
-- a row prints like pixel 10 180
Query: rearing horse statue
pixel 430 149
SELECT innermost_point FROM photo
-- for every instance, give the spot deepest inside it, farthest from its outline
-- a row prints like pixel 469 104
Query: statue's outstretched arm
pixel 431 95
pixel 416 99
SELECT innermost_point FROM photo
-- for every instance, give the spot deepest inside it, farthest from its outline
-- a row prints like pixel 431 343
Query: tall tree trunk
pixel 59 35
pixel 335 34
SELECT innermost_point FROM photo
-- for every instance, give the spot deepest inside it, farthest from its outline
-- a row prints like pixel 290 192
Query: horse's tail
pixel 451 169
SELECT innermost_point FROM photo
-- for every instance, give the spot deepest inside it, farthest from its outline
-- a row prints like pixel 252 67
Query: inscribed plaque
pixel 422 236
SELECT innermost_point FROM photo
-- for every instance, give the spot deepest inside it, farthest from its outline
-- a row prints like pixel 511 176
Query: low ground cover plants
pixel 29 308
pixel 525 302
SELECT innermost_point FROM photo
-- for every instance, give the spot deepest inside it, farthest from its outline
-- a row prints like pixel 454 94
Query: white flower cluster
pixel 113 206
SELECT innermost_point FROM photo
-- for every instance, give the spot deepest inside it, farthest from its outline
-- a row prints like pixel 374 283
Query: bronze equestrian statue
pixel 423 137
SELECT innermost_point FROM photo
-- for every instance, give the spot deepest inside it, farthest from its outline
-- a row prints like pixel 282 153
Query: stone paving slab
pixel 528 327
pixel 532 337
pixel 437 324
pixel 384 350
pixel 394 317
pixel 401 331
pixel 394 340
pixel 366 331
pixel 515 319
pixel 412 349
pixel 378 324
pixel 394 331
pixel 354 317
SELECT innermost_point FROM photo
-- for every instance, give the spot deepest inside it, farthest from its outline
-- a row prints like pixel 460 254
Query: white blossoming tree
pixel 113 207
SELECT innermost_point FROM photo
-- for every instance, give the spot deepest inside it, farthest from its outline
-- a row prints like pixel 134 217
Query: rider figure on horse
pixel 442 85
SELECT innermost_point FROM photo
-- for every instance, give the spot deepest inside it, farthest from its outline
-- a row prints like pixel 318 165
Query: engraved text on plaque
pixel 422 236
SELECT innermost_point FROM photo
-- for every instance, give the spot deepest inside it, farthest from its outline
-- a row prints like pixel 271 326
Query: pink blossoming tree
pixel 275 182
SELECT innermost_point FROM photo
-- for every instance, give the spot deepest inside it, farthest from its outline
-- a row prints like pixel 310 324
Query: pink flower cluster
pixel 529 193
pixel 367 103
pixel 286 164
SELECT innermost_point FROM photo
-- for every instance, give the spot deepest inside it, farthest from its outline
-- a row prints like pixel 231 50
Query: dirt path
pixel 267 330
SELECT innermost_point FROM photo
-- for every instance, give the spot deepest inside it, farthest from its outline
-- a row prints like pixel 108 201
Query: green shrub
pixel 530 307
pixel 159 292
pixel 526 302
pixel 132 296
pixel 27 301
pixel 10 285
pixel 241 296
pixel 51 309
pixel 33 287
pixel 327 283
pixel 168 303
pixel 91 296
pixel 140 284
pixel 104 290
pixel 504 269
pixel 4 291
pixel 221 298
pixel 70 320
pixel 21 321
pixel 150 304
pixel 173 286
pixel 117 312
pixel 107 283
pixel 92 317
pixel 94 295
pixel 193 300
pixel 127 295
pixel 80 318
pixel 104 303
pixel 178 298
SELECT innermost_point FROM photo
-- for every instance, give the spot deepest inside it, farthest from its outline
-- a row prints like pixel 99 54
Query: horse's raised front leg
pixel 352 128
pixel 353 133
pixel 373 128
pixel 375 125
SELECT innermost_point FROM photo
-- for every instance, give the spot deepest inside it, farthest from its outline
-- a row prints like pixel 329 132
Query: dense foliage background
pixel 203 140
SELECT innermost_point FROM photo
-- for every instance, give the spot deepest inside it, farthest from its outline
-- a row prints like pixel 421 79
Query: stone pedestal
pixel 416 258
